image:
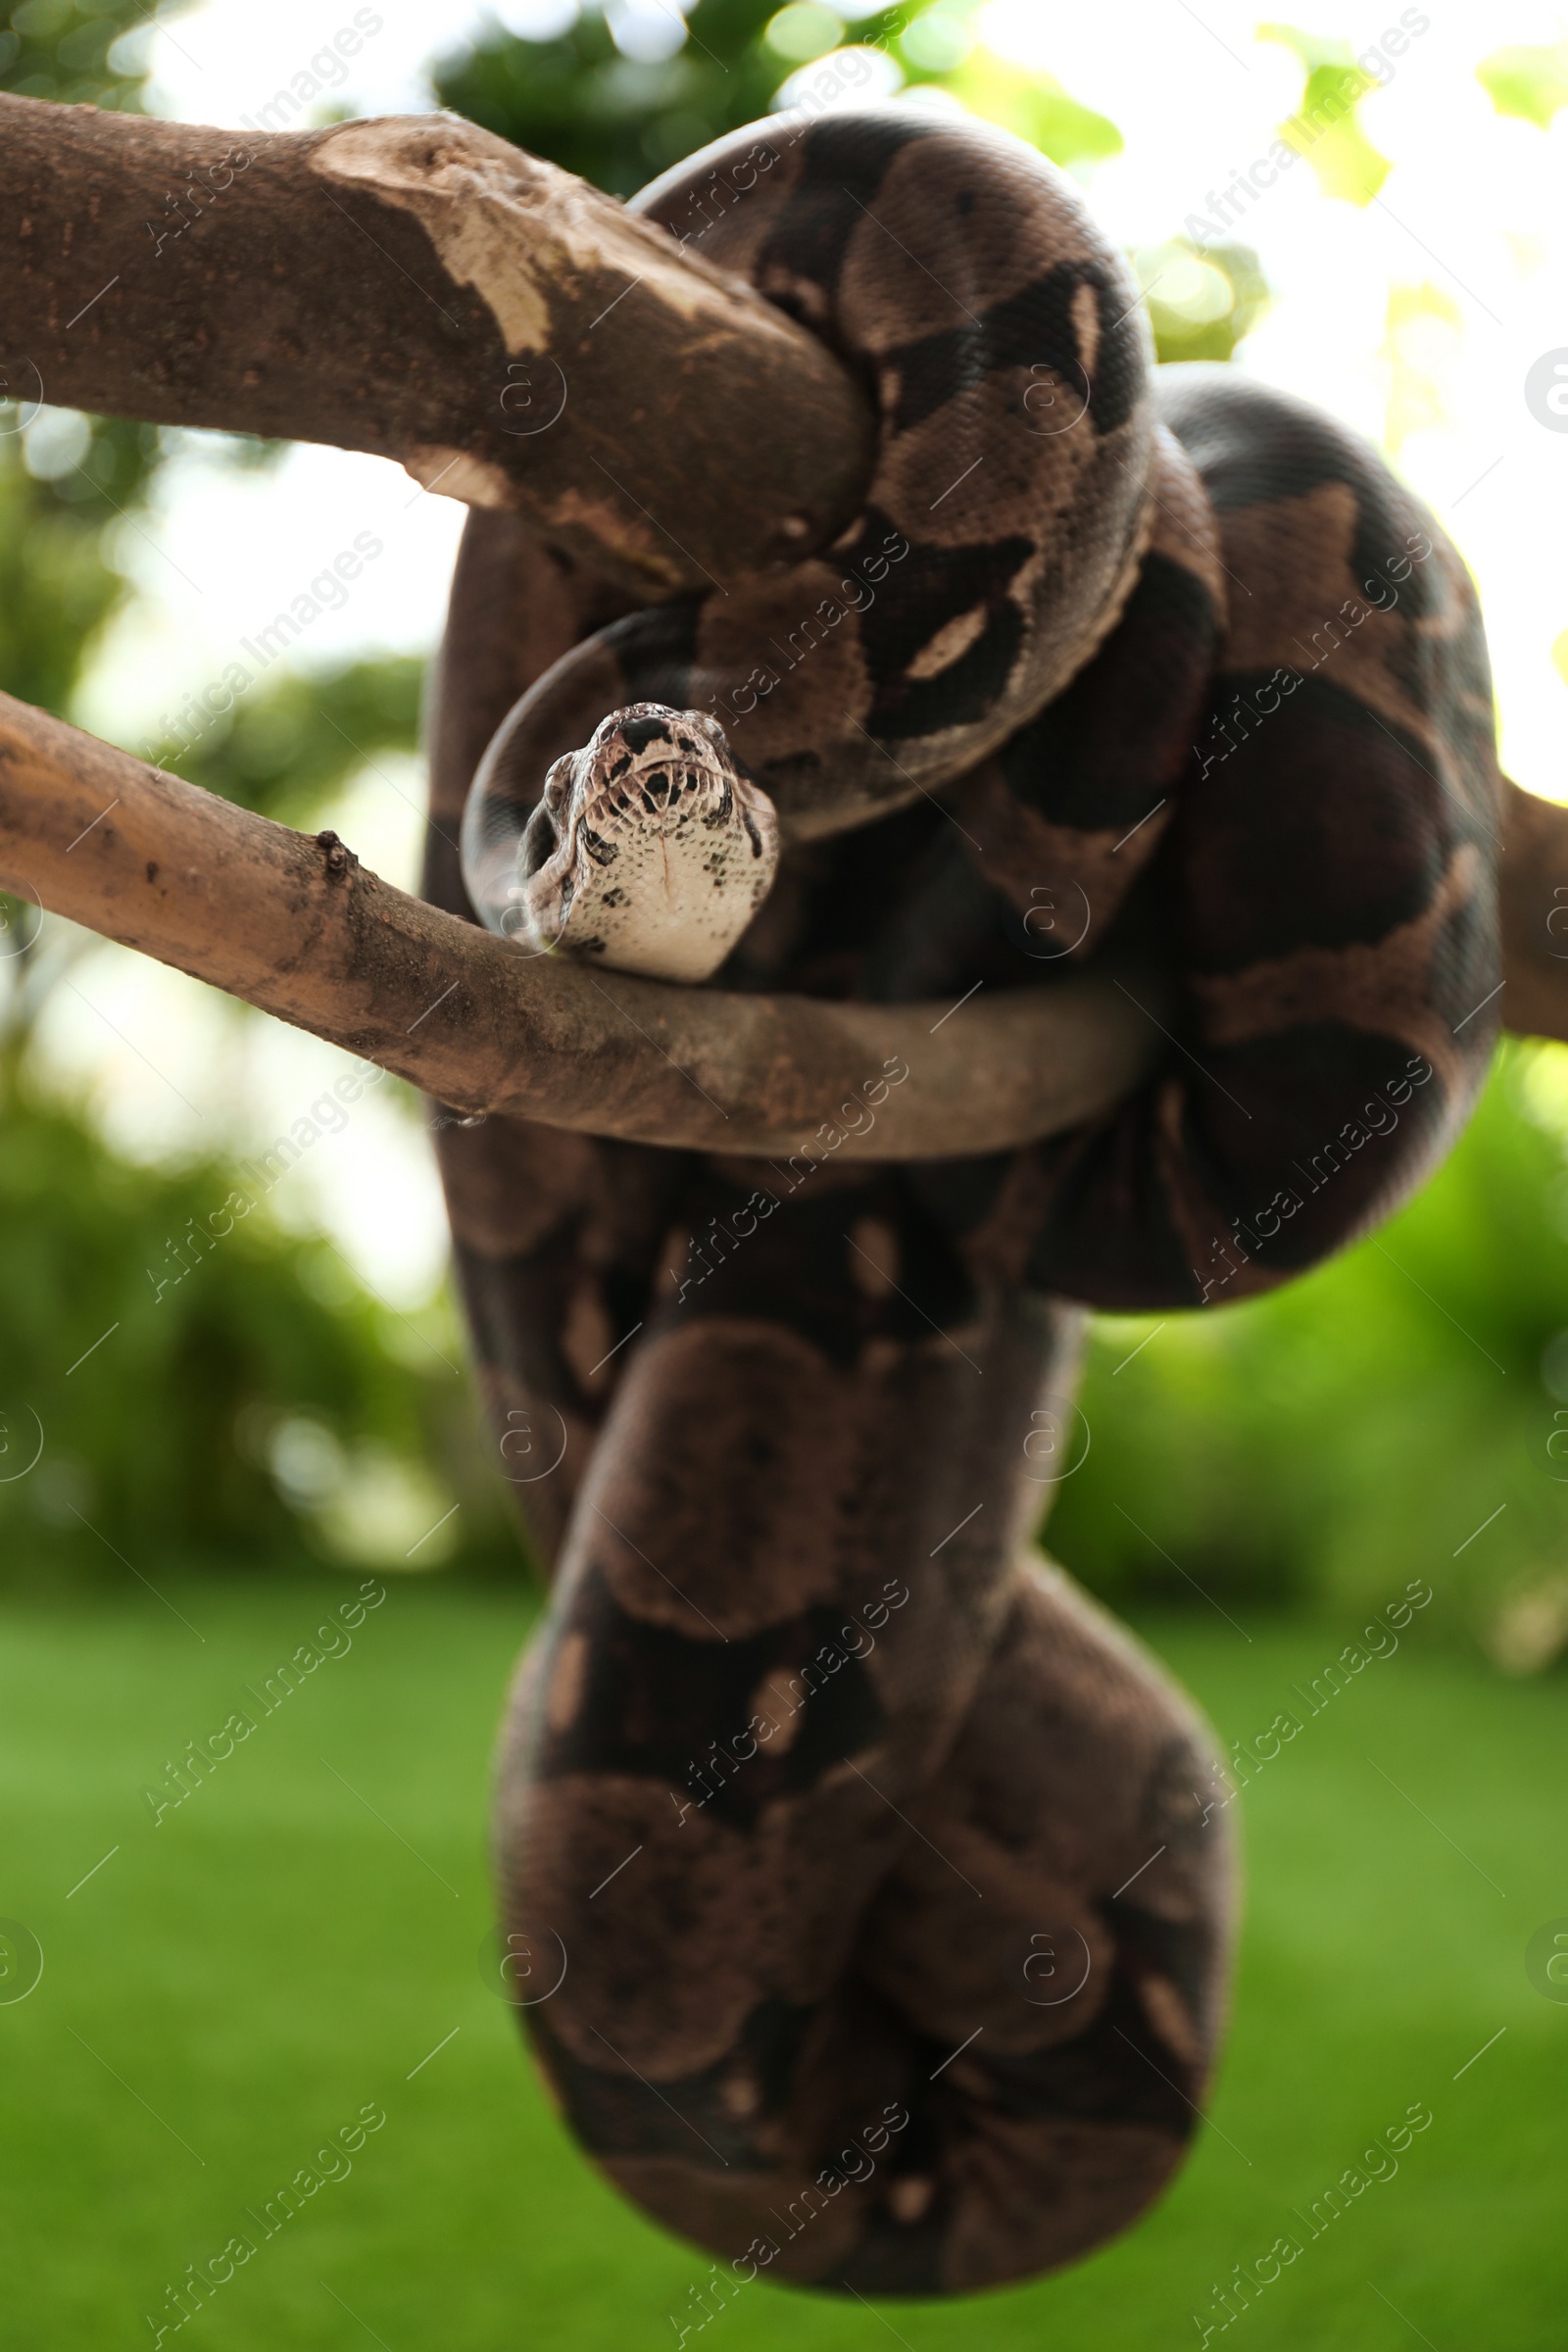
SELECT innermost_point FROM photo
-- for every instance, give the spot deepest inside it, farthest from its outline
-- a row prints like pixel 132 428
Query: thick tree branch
pixel 418 287
pixel 301 930
pixel 1533 885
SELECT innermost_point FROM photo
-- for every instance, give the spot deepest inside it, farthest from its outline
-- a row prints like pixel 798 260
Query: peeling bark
pixel 417 287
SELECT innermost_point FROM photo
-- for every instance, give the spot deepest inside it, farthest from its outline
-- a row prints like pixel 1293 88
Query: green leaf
pixel 1033 105
pixel 1324 129
pixel 1531 83
pixel 1200 304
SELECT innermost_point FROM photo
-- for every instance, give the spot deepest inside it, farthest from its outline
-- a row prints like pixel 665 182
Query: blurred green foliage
pixel 158 1443
pixel 284 746
pixel 63 480
pixel 1201 300
pixel 240 1410
pixel 1531 83
pixel 617 120
pixel 67 479
pixel 612 118
pixel 1325 128
pixel 77 55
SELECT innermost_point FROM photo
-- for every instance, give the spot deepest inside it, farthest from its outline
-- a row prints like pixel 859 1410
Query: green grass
pixel 276 1954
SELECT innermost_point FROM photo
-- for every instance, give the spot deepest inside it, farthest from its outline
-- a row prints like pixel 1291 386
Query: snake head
pixel 650 848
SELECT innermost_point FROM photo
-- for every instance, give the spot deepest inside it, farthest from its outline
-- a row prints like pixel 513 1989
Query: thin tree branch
pixel 418 287
pixel 296 926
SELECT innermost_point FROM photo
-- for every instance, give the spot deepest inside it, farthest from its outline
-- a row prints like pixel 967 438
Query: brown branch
pixel 418 287
pixel 1533 887
pixel 299 928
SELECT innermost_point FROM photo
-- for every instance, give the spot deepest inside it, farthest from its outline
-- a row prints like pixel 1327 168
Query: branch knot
pixel 339 856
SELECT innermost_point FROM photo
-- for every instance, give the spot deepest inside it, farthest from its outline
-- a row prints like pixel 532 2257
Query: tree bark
pixel 418 288
pixel 299 928
pixel 1533 887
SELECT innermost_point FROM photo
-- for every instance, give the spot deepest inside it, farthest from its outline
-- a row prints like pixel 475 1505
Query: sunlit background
pixel 295 1403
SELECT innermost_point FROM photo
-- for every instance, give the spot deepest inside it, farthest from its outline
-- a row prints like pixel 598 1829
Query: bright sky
pixel 1465 247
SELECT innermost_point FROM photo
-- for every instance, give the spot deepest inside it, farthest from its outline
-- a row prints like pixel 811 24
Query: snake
pixel 867 1890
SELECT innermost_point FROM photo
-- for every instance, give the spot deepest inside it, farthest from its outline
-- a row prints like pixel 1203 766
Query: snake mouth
pixel 648 850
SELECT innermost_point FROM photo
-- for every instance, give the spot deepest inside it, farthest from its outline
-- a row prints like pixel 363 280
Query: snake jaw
pixel 649 850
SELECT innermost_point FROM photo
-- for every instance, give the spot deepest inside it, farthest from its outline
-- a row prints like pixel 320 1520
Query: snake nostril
pixel 638 733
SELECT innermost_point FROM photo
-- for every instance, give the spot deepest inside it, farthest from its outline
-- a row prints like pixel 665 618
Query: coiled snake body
pixel 884 1869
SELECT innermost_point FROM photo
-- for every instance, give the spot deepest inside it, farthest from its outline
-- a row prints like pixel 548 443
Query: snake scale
pixel 875 1923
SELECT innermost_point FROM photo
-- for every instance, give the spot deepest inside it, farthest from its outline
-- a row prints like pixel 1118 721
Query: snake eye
pixel 540 839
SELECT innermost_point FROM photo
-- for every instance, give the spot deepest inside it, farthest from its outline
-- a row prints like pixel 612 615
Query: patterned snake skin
pixel 867 1913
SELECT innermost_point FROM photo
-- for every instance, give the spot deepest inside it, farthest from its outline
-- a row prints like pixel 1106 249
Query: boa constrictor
pixel 868 1912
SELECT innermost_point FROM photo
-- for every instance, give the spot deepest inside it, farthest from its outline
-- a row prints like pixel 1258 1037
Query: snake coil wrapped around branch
pixel 842 1816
